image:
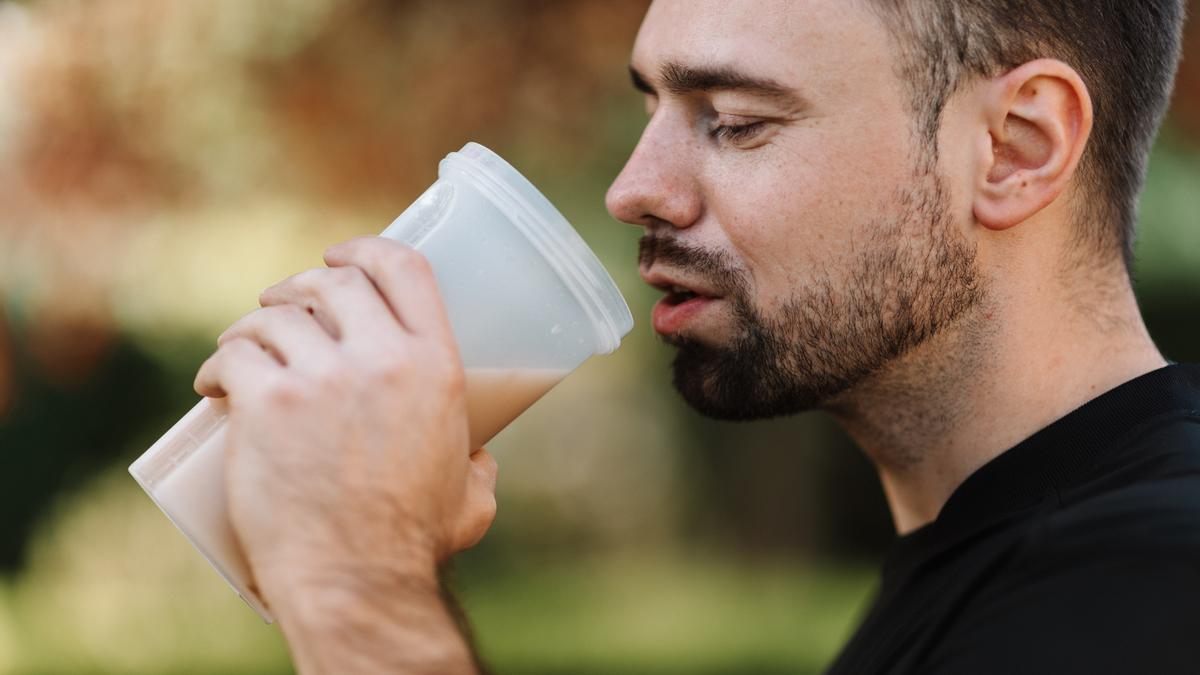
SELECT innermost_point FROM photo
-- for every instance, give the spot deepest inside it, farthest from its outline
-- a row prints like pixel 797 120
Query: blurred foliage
pixel 112 588
pixel 60 456
pixel 162 162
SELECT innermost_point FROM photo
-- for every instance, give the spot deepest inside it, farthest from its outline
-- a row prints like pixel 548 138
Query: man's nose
pixel 658 184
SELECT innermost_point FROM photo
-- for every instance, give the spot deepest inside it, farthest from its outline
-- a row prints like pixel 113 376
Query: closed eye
pixel 737 132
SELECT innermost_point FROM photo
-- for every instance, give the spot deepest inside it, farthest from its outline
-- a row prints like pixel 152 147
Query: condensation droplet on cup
pixel 556 329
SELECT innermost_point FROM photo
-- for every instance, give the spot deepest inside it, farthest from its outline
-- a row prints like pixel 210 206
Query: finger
pixel 484 464
pixel 344 297
pixel 239 367
pixel 288 332
pixel 404 278
pixel 479 511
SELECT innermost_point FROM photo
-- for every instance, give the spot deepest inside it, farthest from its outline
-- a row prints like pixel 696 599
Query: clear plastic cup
pixel 528 302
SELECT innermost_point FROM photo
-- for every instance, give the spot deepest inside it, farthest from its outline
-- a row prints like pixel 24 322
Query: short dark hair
pixel 1126 51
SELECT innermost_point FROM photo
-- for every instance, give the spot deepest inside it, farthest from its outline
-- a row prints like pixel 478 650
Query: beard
pixel 915 275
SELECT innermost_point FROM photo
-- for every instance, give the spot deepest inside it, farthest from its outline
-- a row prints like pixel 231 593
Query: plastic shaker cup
pixel 528 302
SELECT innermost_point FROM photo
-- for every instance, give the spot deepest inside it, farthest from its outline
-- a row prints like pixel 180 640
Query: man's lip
pixel 669 283
pixel 672 317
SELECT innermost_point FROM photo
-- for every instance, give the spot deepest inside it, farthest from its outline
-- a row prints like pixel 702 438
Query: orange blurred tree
pixel 124 109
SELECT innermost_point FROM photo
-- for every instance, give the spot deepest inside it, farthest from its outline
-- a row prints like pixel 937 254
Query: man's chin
pixel 728 384
pixel 685 340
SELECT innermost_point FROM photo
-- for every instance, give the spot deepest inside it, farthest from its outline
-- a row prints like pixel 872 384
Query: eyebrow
pixel 681 79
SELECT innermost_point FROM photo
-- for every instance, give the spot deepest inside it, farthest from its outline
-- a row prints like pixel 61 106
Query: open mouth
pixel 680 309
pixel 678 295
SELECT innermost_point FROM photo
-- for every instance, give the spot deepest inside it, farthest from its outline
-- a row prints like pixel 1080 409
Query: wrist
pixel 371 621
pixel 325 587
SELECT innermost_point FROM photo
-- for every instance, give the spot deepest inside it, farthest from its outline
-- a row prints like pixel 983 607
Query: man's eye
pixel 737 132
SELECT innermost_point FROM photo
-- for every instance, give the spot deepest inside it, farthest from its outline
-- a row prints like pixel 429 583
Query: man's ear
pixel 1039 118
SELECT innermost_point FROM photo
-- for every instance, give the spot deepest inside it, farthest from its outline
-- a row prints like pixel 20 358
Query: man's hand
pixel 349 472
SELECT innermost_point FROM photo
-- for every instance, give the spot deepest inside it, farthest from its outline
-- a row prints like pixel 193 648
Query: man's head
pixel 840 181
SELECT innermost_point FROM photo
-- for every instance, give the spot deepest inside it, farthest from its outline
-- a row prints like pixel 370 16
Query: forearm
pixel 362 625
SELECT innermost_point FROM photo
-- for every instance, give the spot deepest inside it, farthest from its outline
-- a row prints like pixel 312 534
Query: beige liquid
pixel 496 396
pixel 184 470
pixel 184 473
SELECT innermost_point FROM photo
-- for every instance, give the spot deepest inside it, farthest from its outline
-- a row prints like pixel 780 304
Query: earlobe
pixel 1039 118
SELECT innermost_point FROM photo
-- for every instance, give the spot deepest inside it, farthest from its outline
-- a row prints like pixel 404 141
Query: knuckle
pixel 418 263
pixel 282 291
pixel 285 392
pixel 374 259
pixel 238 328
pixel 349 249
pixel 303 289
pixel 347 277
pixel 289 286
pixel 406 258
pixel 328 374
pixel 442 367
pixel 364 243
pixel 289 312
pixel 334 249
pixel 310 279
pixel 393 365
pixel 271 290
pixel 307 282
pixel 236 345
pixel 341 275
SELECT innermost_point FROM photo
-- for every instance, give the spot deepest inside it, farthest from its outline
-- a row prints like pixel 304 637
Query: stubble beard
pixel 915 275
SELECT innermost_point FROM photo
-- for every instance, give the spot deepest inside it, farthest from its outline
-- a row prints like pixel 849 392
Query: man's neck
pixel 1004 371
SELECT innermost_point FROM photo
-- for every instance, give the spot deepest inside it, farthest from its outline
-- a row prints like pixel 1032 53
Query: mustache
pixel 715 267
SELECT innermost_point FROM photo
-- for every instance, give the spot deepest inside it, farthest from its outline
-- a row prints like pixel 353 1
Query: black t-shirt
pixel 1076 551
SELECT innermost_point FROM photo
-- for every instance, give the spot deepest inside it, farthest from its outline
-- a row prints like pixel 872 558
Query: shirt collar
pixel 1050 461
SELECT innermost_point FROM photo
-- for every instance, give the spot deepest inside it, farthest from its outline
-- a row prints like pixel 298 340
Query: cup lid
pixel 553 236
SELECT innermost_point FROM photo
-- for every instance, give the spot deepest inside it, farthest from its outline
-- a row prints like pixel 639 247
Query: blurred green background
pixel 162 162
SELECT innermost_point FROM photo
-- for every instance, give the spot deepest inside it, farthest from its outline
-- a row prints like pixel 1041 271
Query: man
pixel 916 216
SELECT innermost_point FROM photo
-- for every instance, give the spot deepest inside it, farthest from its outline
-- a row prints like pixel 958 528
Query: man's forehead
pixel 776 38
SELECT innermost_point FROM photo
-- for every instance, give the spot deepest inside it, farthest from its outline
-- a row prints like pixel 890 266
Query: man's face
pixel 801 241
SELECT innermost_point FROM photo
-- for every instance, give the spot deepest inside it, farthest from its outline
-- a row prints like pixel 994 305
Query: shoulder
pixel 1144 502
pixel 1105 581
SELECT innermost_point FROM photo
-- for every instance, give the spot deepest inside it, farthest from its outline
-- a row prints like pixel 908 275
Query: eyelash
pixel 737 132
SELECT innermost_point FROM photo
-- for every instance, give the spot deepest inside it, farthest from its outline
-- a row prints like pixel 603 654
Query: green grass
pixel 665 614
pixel 113 588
